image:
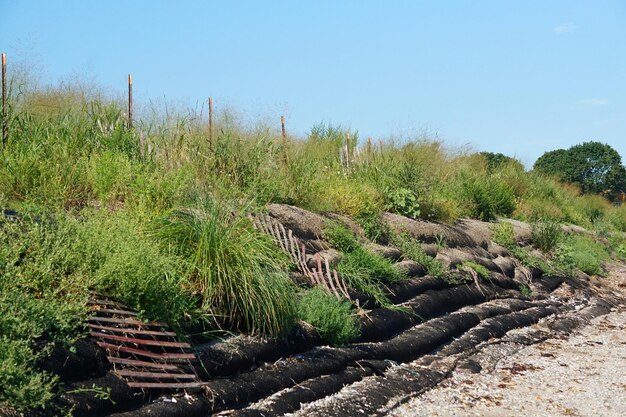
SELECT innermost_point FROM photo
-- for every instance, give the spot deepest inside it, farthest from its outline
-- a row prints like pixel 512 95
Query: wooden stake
pixel 5 121
pixel 130 101
pixel 211 122
pixel 282 124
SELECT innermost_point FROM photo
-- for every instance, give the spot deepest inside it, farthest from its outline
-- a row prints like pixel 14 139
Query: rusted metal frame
pixel 166 384
pixel 132 331
pixel 153 375
pixel 136 341
pixel 141 364
pixel 127 321
pixel 115 311
pixel 146 353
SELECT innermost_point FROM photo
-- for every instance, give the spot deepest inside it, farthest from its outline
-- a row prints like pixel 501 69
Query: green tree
pixel 498 160
pixel 596 167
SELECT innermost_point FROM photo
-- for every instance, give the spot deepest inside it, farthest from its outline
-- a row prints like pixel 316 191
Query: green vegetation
pixel 156 217
pixel 583 253
pixel 594 166
pixel 333 319
pixel 238 272
pixel 412 249
pixel 362 269
pixel 545 234
pixel 481 271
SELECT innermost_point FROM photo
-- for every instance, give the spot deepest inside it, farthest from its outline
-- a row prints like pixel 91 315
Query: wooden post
pixel 282 125
pixel 5 121
pixel 211 122
pixel 130 101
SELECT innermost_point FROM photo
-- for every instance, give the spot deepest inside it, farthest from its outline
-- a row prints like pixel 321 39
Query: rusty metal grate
pixel 144 354
pixel 323 275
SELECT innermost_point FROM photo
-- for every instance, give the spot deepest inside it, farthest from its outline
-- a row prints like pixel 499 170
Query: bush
pixel 332 318
pixel 487 198
pixel 402 201
pixel 237 271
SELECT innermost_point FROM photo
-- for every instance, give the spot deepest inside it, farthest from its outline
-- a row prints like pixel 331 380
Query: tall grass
pixel 238 272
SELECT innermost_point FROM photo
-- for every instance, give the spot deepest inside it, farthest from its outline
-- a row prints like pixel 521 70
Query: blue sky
pixel 518 77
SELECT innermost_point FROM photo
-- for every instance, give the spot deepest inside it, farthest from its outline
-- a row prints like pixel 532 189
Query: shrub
pixel 487 198
pixel 332 318
pixel 402 201
pixel 238 272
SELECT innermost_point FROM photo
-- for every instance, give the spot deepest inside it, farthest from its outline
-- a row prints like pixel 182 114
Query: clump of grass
pixel 412 249
pixel 333 319
pixel 545 234
pixel 481 271
pixel 525 290
pixel 363 270
pixel 237 271
pixel 582 253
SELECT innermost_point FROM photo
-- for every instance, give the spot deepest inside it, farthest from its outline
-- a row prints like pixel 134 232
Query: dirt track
pixel 581 375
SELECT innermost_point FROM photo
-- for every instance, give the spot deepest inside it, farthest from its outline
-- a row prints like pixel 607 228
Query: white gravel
pixel 583 375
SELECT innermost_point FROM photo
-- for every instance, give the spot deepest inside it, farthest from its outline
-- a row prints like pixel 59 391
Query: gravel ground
pixel 582 375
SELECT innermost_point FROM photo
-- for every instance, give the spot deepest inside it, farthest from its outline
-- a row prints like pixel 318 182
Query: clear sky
pixel 518 77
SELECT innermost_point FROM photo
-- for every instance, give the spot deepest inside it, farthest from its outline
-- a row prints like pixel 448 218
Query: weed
pixel 333 319
pixel 504 234
pixel 402 201
pixel 545 234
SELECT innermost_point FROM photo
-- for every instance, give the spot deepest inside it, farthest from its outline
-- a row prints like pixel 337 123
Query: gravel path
pixel 583 375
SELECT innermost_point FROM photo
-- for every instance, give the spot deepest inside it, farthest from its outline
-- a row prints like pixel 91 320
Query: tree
pixel 594 166
pixel 498 160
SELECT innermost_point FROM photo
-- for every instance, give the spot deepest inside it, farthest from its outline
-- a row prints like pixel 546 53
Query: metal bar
pixel 5 121
pixel 141 364
pixel 133 331
pixel 136 341
pixel 146 353
pixel 165 384
pixel 153 375
pixel 130 101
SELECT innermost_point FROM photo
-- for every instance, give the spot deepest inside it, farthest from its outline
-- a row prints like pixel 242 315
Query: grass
pixel 545 234
pixel 412 249
pixel 481 271
pixel 363 270
pixel 236 271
